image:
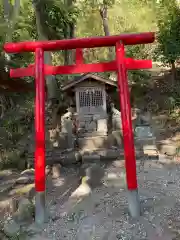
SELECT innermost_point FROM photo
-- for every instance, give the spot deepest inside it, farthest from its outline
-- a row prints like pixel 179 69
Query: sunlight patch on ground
pixel 59 183
pixel 81 191
pixel 76 197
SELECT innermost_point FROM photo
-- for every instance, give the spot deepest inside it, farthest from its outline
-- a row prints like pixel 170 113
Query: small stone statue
pixel 116 118
pixel 114 111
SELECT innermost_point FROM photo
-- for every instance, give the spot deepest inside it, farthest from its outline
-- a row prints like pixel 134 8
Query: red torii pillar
pixel 120 65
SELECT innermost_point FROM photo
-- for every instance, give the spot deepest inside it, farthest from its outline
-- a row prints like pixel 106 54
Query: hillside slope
pixel 15 127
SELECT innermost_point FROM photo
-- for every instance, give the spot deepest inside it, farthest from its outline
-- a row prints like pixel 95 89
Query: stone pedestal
pixel 117 138
pixel 67 129
pixel 102 126
pixel 116 122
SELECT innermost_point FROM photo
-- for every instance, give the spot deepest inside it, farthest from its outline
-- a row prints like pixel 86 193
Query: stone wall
pixel 63 144
pixel 57 142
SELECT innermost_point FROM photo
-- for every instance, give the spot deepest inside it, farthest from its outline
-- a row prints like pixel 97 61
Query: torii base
pixel 134 203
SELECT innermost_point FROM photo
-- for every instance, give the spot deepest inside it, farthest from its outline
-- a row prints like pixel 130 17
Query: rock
pixel 25 212
pixel 56 170
pixel 48 170
pixel 5 173
pixel 28 172
pixel 168 149
pixel 25 180
pixel 11 228
pixel 22 190
pixel 27 176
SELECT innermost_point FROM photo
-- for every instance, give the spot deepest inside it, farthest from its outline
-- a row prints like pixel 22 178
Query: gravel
pixel 103 215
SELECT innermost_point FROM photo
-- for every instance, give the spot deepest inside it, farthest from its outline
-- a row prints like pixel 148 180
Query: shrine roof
pixel 85 77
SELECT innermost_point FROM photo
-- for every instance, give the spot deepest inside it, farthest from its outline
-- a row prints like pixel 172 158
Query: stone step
pixel 96 155
pixel 151 152
pixel 107 154
pixel 90 134
pixel 93 142
pixel 100 141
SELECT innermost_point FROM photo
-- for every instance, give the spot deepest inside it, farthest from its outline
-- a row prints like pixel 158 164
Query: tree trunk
pixel 69 33
pixel 50 81
pixel 104 16
pixel 7 9
pixel 68 54
pixel 10 21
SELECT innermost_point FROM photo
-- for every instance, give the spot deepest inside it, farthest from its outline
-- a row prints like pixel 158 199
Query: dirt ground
pixel 102 213
pixel 79 212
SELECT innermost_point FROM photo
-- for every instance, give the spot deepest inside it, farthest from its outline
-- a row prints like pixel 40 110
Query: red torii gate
pixel 120 65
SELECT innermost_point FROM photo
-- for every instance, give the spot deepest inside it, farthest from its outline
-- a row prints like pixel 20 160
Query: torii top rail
pixel 93 42
pixel 80 67
pixel 121 64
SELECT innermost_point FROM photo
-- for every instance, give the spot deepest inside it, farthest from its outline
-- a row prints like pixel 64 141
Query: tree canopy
pixel 169 31
pixel 60 19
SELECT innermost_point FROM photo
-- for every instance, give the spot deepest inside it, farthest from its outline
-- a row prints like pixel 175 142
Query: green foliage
pixel 56 16
pixel 25 28
pixel 13 127
pixel 123 16
pixel 168 48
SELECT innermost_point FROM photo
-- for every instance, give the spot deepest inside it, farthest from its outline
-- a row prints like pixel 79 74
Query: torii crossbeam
pixel 121 64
